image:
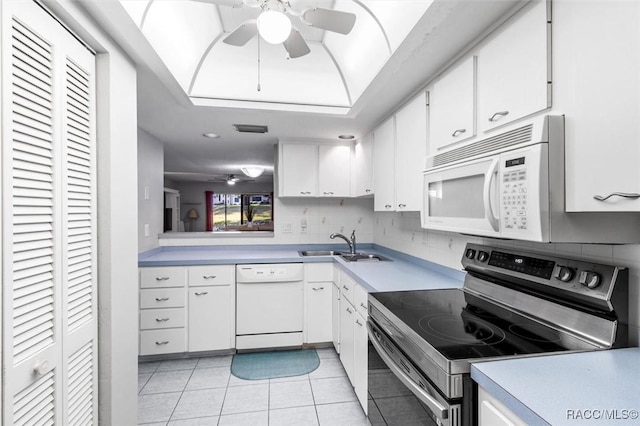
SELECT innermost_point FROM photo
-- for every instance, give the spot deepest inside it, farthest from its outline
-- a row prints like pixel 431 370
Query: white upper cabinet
pixel 363 167
pixel 314 169
pixel 452 106
pixel 410 153
pixel 597 75
pixel 513 69
pixel 334 171
pixel 384 139
pixel 298 170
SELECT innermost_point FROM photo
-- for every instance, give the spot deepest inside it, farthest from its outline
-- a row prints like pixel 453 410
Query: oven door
pixel 463 198
pixel 430 407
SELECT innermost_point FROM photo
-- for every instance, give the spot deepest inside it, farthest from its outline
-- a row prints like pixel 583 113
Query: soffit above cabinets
pixel 188 37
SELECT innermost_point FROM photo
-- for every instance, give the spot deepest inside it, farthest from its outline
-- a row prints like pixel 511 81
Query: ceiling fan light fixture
pixel 274 26
pixel 252 172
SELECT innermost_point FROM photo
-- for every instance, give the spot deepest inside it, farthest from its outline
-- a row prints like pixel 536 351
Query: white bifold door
pixel 49 309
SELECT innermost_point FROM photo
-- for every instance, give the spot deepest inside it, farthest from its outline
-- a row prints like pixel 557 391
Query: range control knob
pixel 590 279
pixel 470 253
pixel 565 274
pixel 483 256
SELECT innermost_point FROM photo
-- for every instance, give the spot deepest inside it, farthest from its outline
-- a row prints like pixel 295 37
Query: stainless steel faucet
pixel 351 242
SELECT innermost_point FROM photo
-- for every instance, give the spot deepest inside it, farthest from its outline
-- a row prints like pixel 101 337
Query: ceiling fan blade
pixel 295 44
pixel 241 35
pixel 330 20
pixel 232 3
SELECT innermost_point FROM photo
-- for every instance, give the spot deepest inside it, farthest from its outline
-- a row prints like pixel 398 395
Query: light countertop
pixel 403 273
pixel 591 388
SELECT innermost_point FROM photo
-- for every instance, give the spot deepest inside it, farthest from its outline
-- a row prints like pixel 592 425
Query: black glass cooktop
pixel 460 325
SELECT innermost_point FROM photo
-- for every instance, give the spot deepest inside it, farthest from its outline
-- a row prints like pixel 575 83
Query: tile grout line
pixel 224 398
pixel 181 394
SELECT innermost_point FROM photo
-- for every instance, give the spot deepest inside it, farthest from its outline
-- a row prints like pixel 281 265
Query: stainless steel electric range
pixel 513 304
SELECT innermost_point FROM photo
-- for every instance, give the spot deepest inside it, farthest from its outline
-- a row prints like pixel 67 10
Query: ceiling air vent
pixel 250 128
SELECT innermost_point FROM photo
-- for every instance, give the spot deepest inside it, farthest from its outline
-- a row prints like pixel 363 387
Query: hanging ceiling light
pixel 252 172
pixel 274 26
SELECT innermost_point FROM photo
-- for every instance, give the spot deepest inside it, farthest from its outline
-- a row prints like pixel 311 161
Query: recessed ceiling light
pixel 211 135
pixel 346 137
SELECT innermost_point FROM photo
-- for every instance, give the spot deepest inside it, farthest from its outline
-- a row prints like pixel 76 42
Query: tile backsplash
pixel 402 232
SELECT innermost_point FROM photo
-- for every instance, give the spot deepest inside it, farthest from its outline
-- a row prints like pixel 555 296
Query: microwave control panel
pixel 514 195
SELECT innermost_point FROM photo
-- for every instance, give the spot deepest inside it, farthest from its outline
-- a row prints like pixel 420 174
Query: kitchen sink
pixel 318 252
pixel 361 257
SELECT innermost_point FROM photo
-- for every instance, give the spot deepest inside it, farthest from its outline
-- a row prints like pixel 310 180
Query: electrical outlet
pixel 303 226
pixel 146 229
pixel 286 228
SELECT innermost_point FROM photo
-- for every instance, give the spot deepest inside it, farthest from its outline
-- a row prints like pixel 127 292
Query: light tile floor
pixel 203 392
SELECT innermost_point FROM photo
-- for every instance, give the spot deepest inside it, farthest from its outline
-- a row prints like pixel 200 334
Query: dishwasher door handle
pixel 438 409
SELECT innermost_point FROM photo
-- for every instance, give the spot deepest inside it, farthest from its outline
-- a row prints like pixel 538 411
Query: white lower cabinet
pixel 211 314
pixel 318 302
pixel 492 412
pixel 187 309
pixel 335 316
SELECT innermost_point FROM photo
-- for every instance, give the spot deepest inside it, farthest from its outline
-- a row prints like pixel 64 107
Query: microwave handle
pixel 488 209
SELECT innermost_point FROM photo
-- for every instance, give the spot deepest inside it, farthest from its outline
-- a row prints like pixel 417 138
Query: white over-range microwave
pixel 511 186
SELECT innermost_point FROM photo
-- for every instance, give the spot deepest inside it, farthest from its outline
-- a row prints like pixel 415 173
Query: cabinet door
pixel 513 69
pixel 384 140
pixel 411 150
pixel 347 315
pixel 363 173
pixel 452 106
pixel 211 318
pixel 360 356
pixel 298 168
pixel 492 412
pixel 335 314
pixel 318 312
pixel 334 171
pixel 597 84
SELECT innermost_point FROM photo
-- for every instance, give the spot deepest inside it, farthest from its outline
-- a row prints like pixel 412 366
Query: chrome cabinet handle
pixel 162 319
pixel 498 115
pixel 318 288
pixel 349 310
pixel 208 277
pixel 458 132
pixel 402 206
pixel 345 287
pixel 632 196
pixel 162 278
pixel 358 322
pixel 201 293
pixel 305 192
pixel 388 206
pixel 363 305
pixel 164 342
pixel 328 193
pixel 367 190
pixel 161 299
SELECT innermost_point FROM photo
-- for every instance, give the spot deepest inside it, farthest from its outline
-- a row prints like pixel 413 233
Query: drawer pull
pixel 328 193
pixel 632 196
pixel 162 278
pixel 201 293
pixel 318 288
pixel 387 206
pixel 402 206
pixel 161 299
pixel 208 277
pixel 349 310
pixel 345 287
pixel 458 132
pixel 164 342
pixel 162 319
pixel 363 305
pixel 498 115
pixel 358 322
pixel 367 190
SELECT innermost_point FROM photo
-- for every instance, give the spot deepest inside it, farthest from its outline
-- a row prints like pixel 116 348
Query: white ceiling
pixel 376 82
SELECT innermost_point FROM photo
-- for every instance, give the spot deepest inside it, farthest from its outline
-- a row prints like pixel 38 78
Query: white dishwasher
pixel 269 311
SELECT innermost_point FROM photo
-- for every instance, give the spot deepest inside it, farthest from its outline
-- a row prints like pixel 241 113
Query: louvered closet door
pixel 49 351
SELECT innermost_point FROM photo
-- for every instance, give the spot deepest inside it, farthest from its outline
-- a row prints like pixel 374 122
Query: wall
pixel 150 175
pixel 117 218
pixel 402 232
pixel 322 216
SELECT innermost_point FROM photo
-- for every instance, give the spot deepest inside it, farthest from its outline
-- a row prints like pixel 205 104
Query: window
pixel 243 212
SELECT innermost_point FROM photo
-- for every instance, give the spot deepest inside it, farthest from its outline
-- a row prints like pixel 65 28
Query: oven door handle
pixel 438 409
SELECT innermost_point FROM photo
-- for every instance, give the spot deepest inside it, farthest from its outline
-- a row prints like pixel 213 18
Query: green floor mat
pixel 274 364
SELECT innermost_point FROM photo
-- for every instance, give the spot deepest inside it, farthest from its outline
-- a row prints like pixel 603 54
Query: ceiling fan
pixel 275 27
pixel 230 179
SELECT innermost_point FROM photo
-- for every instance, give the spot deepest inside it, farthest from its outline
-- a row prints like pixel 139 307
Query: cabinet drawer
pixel 162 277
pixel 212 275
pixel 161 318
pixel 360 300
pixel 162 341
pixel 319 272
pixel 347 285
pixel 162 298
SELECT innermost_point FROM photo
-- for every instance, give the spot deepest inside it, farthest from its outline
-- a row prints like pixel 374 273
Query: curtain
pixel 208 196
